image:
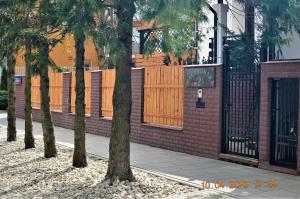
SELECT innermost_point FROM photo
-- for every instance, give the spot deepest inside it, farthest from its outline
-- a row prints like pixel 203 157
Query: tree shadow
pixel 36 181
pixel 102 189
pixel 15 151
pixel 3 143
pixel 22 164
pixel 80 190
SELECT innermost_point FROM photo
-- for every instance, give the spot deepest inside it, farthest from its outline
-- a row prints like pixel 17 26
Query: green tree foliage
pixel 3 99
pixel 31 24
pixel 119 146
pixel 3 85
pixel 278 19
pixel 13 18
pixel 177 20
pixel 47 29
pixel 47 24
pixel 250 49
pixel 79 16
pixel 104 17
pixel 83 18
pixel 178 15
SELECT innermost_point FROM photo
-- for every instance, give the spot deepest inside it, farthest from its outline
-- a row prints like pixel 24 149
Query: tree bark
pixel 119 147
pixel 11 107
pixel 48 130
pixel 263 52
pixel 100 56
pixel 249 21
pixel 3 85
pixel 79 155
pixel 28 139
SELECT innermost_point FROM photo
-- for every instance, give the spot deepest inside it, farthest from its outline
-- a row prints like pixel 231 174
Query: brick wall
pixel 200 134
pixel 20 98
pixel 201 131
pixel 202 127
pixel 284 69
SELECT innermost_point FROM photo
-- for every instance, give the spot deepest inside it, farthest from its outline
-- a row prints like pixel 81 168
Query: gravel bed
pixel 26 174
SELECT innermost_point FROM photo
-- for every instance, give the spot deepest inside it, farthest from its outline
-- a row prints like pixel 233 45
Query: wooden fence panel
pixel 107 89
pixel 163 95
pixel 55 91
pixel 87 80
pixel 35 92
pixel 20 71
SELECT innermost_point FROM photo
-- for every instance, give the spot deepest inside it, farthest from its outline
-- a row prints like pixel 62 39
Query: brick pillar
pixel 96 94
pixel 269 71
pixel 202 126
pixel 20 98
pixel 67 81
pixel 137 84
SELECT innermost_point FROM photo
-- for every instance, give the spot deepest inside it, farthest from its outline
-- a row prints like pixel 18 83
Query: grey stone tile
pixel 279 194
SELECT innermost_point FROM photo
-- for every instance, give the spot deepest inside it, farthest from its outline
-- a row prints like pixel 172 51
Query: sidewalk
pixel 185 167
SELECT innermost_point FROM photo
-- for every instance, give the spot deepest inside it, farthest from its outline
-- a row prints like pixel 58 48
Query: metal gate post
pixel 225 88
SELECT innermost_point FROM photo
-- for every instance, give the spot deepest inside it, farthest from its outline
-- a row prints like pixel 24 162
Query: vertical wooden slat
pixel 107 89
pixel 151 95
pixel 35 92
pixel 156 81
pixel 87 79
pixel 161 98
pixel 145 109
pixel 103 91
pixel 172 110
pixel 180 96
pixel 55 90
pixel 168 96
pixel 146 94
pixel 73 93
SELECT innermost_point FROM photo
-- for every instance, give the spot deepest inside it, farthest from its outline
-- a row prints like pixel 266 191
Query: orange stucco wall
pixel 63 54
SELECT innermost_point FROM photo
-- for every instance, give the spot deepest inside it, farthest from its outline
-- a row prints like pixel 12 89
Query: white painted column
pixel 221 10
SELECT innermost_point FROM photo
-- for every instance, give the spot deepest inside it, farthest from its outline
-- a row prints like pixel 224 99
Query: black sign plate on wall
pixel 200 77
pixel 18 80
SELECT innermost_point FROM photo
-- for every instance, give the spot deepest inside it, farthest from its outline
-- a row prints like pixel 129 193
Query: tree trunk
pixel 100 56
pixel 11 107
pixel 79 155
pixel 249 21
pixel 28 139
pixel 263 52
pixel 3 85
pixel 119 146
pixel 272 52
pixel 268 48
pixel 48 130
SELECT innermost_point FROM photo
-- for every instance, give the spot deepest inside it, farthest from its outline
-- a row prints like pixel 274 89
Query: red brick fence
pixel 201 132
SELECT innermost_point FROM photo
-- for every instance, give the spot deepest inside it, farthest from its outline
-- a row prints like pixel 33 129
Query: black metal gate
pixel 284 124
pixel 241 91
